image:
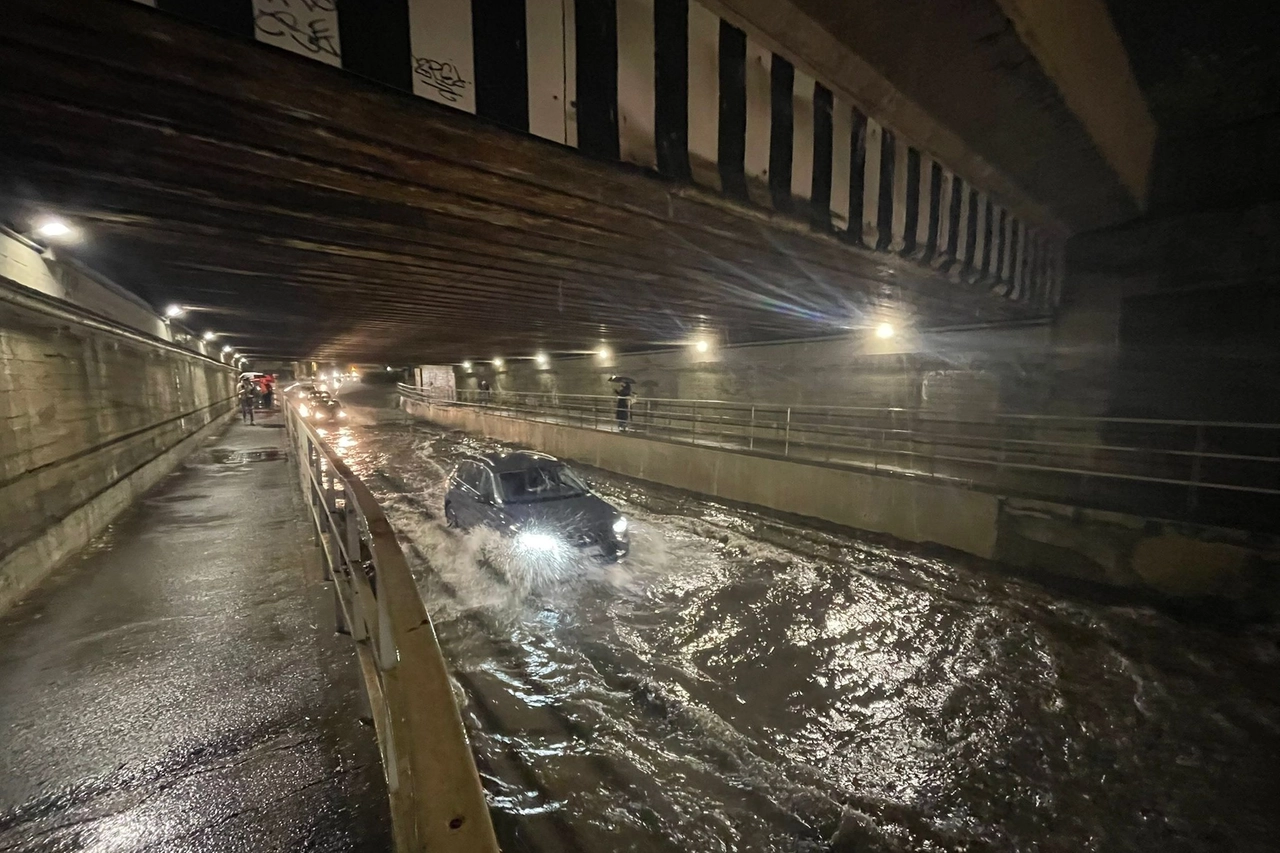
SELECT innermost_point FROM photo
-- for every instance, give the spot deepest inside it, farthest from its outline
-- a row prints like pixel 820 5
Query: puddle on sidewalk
pixel 230 456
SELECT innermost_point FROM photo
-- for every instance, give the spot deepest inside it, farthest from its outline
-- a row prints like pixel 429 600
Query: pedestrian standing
pixel 624 405
pixel 246 402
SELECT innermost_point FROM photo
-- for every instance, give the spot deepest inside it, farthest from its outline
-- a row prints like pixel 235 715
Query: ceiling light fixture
pixel 54 228
pixel 466 365
pixel 227 348
pixel 174 311
pixel 497 362
pixel 542 359
pixel 208 336
pixel 884 331
pixel 602 353
pixel 702 345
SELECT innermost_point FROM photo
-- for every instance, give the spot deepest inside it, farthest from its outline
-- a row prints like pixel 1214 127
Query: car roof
pixel 517 460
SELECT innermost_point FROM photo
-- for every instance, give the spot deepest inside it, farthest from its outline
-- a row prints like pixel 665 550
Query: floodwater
pixel 749 684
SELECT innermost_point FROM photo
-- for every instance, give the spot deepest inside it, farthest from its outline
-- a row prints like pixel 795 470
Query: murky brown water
pixel 742 683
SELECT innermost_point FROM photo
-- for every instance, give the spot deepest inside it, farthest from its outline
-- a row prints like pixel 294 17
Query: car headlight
pixel 304 411
pixel 540 542
pixel 620 526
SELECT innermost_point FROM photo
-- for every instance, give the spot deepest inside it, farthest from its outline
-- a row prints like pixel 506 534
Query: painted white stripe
pixel 759 121
pixel 871 185
pixel 544 31
pixel 940 253
pixel 901 172
pixel 802 135
pixel 309 29
pixel 1057 271
pixel 962 232
pixel 1034 288
pixel 443 61
pixel 636 123
pixel 924 207
pixel 997 235
pixel 1020 263
pixel 841 161
pixel 704 96
pixel 980 238
pixel 1006 263
pixel 570 74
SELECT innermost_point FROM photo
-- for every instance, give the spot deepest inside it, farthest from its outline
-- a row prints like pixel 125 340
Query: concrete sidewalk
pixel 179 686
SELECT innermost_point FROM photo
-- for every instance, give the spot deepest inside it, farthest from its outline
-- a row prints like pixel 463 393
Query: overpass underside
pixel 340 218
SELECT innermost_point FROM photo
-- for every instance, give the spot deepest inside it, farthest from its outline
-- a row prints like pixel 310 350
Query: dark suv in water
pixel 536 499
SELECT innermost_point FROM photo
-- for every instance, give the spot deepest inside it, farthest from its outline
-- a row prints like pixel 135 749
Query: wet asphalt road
pixel 748 683
pixel 179 687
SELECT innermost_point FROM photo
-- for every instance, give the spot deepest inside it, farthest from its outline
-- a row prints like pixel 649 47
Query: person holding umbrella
pixel 624 395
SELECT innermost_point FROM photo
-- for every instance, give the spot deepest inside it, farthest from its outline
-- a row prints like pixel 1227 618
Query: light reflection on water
pixel 739 683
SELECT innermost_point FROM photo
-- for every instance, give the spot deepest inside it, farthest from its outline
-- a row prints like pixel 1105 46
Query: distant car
pixel 299 390
pixel 537 500
pixel 322 410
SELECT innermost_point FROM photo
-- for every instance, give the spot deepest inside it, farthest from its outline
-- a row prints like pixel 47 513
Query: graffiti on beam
pixel 443 77
pixel 309 27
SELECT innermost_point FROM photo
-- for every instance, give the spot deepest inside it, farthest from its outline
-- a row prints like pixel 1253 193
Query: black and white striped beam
pixel 668 86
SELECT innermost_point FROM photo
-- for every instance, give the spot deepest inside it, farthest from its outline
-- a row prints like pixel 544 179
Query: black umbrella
pixel 623 379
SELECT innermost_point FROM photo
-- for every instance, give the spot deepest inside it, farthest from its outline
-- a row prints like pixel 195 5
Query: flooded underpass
pixel 746 683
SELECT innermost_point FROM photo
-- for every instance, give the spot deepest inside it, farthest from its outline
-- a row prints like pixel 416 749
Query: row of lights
pixel 173 312
pixel 884 331
pixel 603 354
pixel 59 230
pixel 56 229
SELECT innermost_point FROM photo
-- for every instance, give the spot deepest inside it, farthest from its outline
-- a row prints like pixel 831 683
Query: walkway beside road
pixel 179 686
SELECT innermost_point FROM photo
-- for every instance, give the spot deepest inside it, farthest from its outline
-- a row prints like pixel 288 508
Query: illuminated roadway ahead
pixel 746 683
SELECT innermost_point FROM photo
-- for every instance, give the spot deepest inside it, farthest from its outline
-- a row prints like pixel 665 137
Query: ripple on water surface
pixel 741 683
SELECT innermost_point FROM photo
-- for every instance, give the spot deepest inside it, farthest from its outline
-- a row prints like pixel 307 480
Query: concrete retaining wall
pixel 974 372
pixel 1164 557
pixel 91 415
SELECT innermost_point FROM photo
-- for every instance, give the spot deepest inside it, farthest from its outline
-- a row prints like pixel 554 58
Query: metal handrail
pixel 461 395
pixel 437 801
pixel 983 453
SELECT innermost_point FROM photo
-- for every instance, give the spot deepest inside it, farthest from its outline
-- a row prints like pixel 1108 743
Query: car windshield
pixel 540 483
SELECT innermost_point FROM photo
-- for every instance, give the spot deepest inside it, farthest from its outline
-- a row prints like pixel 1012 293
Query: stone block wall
pixel 90 415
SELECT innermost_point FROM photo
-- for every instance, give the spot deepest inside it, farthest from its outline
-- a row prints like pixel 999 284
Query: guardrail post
pixel 314 499
pixel 693 424
pixel 751 430
pixel 786 438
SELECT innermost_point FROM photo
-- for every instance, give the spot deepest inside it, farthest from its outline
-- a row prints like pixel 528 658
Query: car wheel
pixel 450 520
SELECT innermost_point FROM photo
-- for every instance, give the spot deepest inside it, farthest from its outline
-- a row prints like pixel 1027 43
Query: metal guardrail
pixel 1175 468
pixel 437 801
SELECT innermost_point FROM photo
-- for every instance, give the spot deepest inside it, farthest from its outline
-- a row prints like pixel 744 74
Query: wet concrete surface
pixel 179 687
